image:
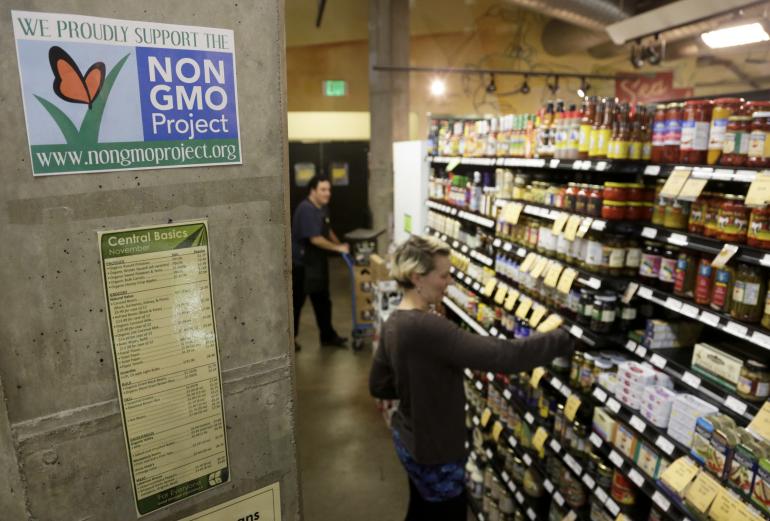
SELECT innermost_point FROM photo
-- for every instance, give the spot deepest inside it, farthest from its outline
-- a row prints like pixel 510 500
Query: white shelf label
pixel 476 421
pixel 512 442
pixel 691 380
pixel 468 373
pixel 506 394
pixel 677 239
pixel 531 514
pixel 496 243
pixel 649 233
pixel 600 395
pixel 645 293
pixel 548 486
pixel 479 385
pixel 709 318
pixel 652 170
pixel 521 252
pixel 576 331
pixel 519 497
pixel 554 163
pixel 765 260
pixel 512 486
pixel 574 465
pixel 689 310
pixel 565 391
pixel 455 244
pixel 589 481
pixel 658 361
pixel 556 383
pixel 736 329
pixel 661 501
pixel 631 346
pixel 665 445
pixel 464 248
pixel 612 507
pixel 490 376
pixel 613 405
pixel 674 304
pixel 601 166
pixel 489 454
pixel 595 440
pixel 637 478
pixel 593 283
pixel 480 516
pixel 761 339
pixel 527 459
pixel 601 495
pixel 559 499
pixel 502 336
pixel 555 446
pixel 616 459
pixel 638 424
pixel 735 404
pixel 529 418
pixel 508 246
pixel 641 351
pixel 577 165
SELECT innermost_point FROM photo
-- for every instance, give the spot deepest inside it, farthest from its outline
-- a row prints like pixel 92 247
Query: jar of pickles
pixel 594 204
pixel 732 219
pixel 749 288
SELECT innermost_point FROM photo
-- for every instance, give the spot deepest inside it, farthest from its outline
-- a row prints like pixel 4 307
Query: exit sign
pixel 335 87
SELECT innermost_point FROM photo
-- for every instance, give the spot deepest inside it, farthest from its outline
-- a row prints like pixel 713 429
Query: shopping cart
pixel 363 243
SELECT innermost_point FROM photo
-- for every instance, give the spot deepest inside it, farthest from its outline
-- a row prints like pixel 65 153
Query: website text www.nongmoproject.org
pixel 104 156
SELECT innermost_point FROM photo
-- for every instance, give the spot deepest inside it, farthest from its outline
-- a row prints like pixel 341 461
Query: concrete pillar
pixel 388 103
pixel 62 449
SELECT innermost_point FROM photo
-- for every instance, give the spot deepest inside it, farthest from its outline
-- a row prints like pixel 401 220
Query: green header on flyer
pixel 151 240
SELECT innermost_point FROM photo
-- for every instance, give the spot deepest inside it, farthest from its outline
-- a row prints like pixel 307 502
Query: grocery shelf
pixel 462 247
pixel 585 278
pixel 550 213
pixel 703 244
pixel 457 310
pixel 708 316
pixel 476 508
pixel 724 400
pixel 710 173
pixel 466 215
pixel 602 165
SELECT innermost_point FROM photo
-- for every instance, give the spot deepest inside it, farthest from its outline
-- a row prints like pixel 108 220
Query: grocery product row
pixel 723 131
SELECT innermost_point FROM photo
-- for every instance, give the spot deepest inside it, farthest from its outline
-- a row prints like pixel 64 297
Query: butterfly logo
pixel 72 85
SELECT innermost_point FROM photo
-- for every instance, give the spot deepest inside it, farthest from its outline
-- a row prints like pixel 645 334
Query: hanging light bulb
pixel 437 87
pixel 491 88
pixel 524 86
pixel 583 89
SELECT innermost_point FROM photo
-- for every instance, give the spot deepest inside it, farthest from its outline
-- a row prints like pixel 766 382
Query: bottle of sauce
pixel 667 272
pixel 696 121
pixel 636 139
pixel 659 133
pixel 558 132
pixel 605 130
pixel 720 115
pixel 703 282
pixel 544 131
pixel 649 268
pixel 684 275
pixel 593 144
pixel 586 122
pixel 673 133
pixel 722 288
pixel 573 134
pixel 647 136
pixel 623 135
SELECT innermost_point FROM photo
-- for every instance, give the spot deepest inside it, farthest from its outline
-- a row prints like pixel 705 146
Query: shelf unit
pixel 463 248
pixel 465 215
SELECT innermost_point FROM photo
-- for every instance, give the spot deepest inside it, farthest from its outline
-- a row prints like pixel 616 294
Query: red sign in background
pixel 649 88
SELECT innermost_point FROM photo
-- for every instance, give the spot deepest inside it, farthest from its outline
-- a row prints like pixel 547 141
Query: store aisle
pixel 348 467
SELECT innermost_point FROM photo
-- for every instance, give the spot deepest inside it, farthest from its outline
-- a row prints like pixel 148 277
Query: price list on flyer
pixel 158 291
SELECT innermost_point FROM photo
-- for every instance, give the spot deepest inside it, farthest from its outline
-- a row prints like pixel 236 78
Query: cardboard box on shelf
pixel 379 268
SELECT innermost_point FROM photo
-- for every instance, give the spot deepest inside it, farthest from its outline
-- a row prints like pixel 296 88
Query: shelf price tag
pixel 566 280
pixel 548 486
pixel 571 228
pixel 724 256
pixel 692 189
pixel 527 459
pixel 528 261
pixel 497 430
pixel 736 329
pixel 689 310
pixel 702 492
pixel 489 287
pixel 552 277
pixel 452 164
pixel 537 375
pixel 631 345
pixel 555 446
pixel 761 339
pixel 759 190
pixel 691 380
pixel 600 395
pixel 539 267
pixel 529 418
pixel 502 290
pixel 601 495
pixel 709 318
pixel 559 499
pixel 506 394
pixel 537 315
pixel 485 417
pixel 558 224
pixel 520 497
pixel 531 514
pixel 638 424
pixel 641 351
pixel 613 405
pixel 576 331
pixel 589 481
pixel 616 459
pixel 675 182
pixel 511 299
pixel 511 212
pixel 585 225
pixel 538 440
pixel 524 306
pixel 637 478
pixel 571 407
pixel 665 445
pixel 512 442
pixel 735 405
pixel 652 170
pixel 479 385
pixel 612 507
pixel 649 233
pixel 658 361
pixel 549 324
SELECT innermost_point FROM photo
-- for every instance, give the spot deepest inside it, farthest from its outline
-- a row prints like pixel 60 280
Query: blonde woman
pixel 420 362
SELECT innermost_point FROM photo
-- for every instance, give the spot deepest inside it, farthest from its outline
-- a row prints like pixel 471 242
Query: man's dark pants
pixel 322 305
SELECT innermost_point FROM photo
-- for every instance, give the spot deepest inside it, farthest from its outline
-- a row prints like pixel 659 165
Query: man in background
pixel 311 240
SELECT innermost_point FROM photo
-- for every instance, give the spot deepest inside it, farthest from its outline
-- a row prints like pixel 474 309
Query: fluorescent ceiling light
pixel 736 35
pixel 437 87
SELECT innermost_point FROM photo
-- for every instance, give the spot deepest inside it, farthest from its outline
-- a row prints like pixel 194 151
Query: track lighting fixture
pixel 491 88
pixel 583 89
pixel 524 86
pixel 554 87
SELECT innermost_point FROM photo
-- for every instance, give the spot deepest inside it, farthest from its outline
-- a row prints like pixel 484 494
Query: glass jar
pixel 635 211
pixel 754 381
pixel 581 200
pixel 711 207
pixel 615 191
pixel 676 215
pixel 684 275
pixel 723 108
pixel 722 289
pixel 572 489
pixel 649 268
pixel 659 134
pixel 584 381
pixel 758 233
pixel 604 312
pixel 766 315
pixel 666 274
pixel 749 288
pixel 570 197
pixel 696 121
pixel 585 310
pixel 614 254
pixel 735 148
pixel 759 140
pixel 673 133
pixel 733 219
pixel 614 210
pixel 623 491
pixel 695 223
pixel 577 356
pixel 628 314
pixel 633 258
pixel 703 282
pixel 594 252
pixel 594 206
pixel 634 191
